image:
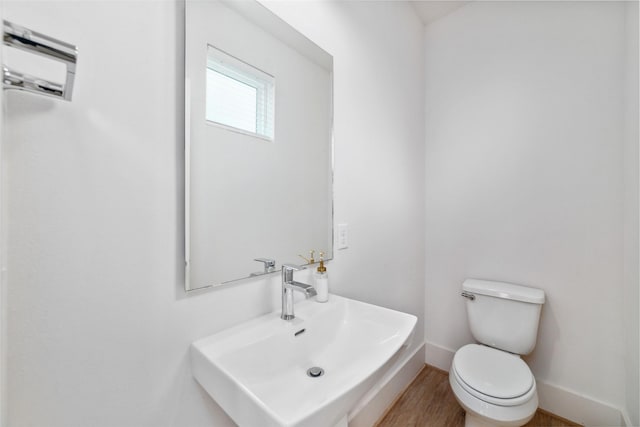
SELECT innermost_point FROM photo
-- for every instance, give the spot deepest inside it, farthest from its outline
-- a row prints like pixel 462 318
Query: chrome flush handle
pixel 468 295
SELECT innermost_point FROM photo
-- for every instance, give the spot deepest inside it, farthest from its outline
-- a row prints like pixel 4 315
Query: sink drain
pixel 315 372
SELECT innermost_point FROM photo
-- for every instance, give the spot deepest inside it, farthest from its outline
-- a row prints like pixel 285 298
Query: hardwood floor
pixel 429 402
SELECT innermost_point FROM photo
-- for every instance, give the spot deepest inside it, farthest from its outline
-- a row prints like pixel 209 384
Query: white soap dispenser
pixel 321 281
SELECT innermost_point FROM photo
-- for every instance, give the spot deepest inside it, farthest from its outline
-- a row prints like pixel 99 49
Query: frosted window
pixel 238 95
pixel 231 102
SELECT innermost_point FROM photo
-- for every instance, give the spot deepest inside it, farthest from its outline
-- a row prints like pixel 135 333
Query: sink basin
pixel 257 371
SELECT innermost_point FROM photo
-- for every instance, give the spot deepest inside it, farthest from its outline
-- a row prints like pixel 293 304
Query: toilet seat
pixel 493 376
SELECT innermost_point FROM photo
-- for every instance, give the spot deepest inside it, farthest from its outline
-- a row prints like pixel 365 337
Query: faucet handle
pixel 292 267
pixel 269 264
pixel 287 272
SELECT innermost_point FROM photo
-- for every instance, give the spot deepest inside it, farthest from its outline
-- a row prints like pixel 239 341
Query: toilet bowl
pixel 494 387
pixel 490 380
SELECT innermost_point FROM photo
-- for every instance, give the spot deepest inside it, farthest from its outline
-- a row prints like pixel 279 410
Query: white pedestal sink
pixel 257 371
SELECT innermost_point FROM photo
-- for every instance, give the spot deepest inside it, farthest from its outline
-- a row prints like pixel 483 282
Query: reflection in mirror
pixel 239 95
pixel 258 143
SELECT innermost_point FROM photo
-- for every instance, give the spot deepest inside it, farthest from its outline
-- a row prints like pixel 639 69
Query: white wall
pixel 379 138
pixel 631 193
pixel 524 178
pixel 98 324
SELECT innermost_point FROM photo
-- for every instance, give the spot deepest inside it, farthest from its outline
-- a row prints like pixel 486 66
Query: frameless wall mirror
pixel 258 143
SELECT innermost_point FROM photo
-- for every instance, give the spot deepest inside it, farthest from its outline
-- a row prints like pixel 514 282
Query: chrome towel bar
pixel 30 41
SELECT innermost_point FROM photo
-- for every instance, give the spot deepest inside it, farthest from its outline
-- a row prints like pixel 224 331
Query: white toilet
pixel 490 381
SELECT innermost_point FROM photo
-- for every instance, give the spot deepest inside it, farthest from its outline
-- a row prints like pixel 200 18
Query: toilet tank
pixel 503 315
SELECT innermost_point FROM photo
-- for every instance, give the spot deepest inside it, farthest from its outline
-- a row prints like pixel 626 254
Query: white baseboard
pixel 377 400
pixel 555 399
pixel 576 407
pixel 437 356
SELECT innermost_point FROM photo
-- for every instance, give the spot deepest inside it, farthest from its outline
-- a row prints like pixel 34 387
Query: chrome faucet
pixel 288 286
pixel 269 264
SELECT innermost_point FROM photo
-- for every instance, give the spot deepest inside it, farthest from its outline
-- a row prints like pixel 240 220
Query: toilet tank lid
pixel 504 290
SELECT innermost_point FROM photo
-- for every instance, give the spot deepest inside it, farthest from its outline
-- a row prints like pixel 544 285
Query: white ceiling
pixel 429 10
